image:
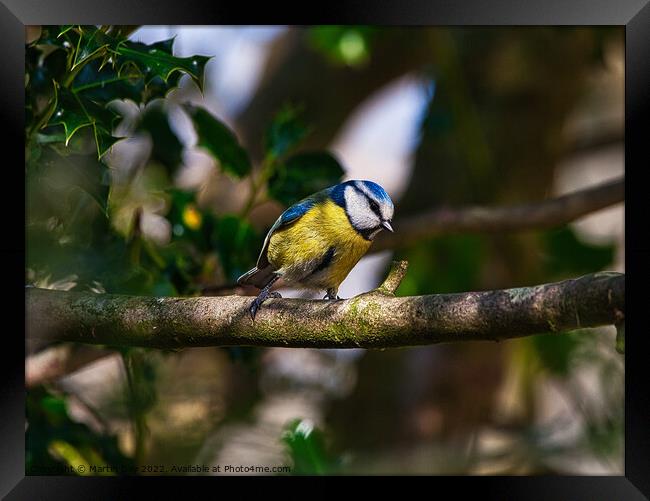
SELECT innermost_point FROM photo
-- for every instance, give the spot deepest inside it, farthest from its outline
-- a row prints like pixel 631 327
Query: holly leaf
pixel 75 112
pixel 156 60
pixel 219 141
pixel 64 28
pixel 102 83
pixel 91 42
pixel 302 175
pixel 166 46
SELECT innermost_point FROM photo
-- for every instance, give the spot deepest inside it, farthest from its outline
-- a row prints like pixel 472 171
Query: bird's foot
pixel 331 297
pixel 255 305
pixel 265 293
pixel 257 302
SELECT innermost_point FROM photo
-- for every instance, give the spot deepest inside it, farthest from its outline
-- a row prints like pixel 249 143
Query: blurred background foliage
pixel 157 170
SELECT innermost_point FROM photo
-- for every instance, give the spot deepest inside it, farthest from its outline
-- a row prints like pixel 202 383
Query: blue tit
pixel 316 242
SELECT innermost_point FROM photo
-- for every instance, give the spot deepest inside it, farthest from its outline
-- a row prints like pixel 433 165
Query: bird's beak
pixel 386 224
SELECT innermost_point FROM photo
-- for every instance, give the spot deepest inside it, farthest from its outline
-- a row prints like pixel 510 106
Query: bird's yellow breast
pixel 302 244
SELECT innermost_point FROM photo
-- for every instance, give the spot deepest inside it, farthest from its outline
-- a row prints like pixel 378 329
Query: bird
pixel 316 242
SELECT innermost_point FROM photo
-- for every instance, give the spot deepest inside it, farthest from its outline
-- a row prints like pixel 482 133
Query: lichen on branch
pixel 377 319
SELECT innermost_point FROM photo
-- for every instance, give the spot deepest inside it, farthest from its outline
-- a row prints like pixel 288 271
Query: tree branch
pixel 377 319
pixel 541 215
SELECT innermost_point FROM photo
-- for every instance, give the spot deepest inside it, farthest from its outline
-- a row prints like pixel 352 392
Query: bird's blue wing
pixel 289 216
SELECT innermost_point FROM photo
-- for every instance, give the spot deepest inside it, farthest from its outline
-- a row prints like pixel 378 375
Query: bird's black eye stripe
pixel 374 206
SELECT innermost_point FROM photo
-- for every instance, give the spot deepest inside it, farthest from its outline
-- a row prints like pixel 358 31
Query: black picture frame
pixel 634 15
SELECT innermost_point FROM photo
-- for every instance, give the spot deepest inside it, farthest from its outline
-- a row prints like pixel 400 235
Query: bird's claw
pixel 253 309
pixel 255 305
pixel 331 298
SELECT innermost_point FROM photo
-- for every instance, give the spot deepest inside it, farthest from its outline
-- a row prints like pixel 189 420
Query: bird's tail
pixel 257 277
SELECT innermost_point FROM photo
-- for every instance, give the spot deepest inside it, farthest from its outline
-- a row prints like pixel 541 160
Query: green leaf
pixel 302 175
pixel 306 446
pixel 92 42
pixel 54 408
pixel 103 84
pixel 166 46
pixel 220 141
pixel 53 439
pixel 64 28
pixel 156 61
pixel 69 113
pixel 54 36
pixel 167 148
pixel 75 112
pixel 286 130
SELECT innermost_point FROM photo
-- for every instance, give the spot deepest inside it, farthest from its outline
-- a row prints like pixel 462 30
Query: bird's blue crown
pixel 337 193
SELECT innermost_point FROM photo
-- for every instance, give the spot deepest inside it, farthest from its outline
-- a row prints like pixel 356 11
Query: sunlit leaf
pixel 165 46
pixel 54 36
pixel 74 112
pixel 64 28
pixel 102 83
pixel 54 443
pixel 71 455
pixel 306 447
pixel 155 61
pixel 92 42
pixel 302 175
pixel 69 113
pixel 220 141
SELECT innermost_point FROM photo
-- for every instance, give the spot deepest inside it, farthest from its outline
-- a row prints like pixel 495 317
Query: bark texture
pixel 377 319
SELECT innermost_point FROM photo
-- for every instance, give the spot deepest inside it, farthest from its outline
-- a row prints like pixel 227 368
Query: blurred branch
pixel 376 319
pixel 58 361
pixel 541 215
